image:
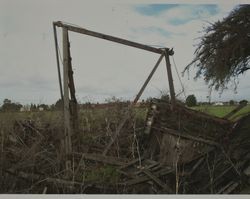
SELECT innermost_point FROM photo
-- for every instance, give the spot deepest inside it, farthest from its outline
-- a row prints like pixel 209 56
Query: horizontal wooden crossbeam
pixel 109 37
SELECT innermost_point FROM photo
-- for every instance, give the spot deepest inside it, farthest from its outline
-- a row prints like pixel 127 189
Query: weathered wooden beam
pixel 132 163
pixel 193 113
pixel 108 37
pixel 151 167
pixel 158 181
pixel 102 158
pixel 146 178
pixel 193 169
pixel 66 112
pixel 57 61
pixel 70 73
pixel 186 136
pixel 231 188
pixel 148 79
pixel 223 189
pixel 170 77
pixel 238 108
pixel 73 101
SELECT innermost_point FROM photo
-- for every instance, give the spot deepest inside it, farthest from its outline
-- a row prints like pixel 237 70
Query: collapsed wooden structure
pixel 70 104
pixel 177 151
pixel 173 150
pixel 175 137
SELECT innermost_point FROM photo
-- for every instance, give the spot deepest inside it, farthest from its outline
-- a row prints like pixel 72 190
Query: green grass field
pixel 221 111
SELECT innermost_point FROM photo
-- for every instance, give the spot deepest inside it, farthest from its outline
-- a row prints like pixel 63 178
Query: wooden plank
pixel 57 61
pixel 45 190
pixel 186 136
pixel 238 108
pixel 67 127
pixel 147 167
pixel 73 101
pixel 231 188
pixel 127 174
pixel 102 158
pixel 225 187
pixel 170 78
pixel 193 113
pixel 146 178
pixel 131 163
pixel 108 37
pixel 158 181
pixel 70 74
pixel 197 164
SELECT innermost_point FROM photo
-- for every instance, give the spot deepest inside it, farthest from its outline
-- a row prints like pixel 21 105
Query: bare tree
pixel 224 50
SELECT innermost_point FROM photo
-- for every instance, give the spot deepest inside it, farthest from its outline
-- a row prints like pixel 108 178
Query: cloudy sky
pixel 103 69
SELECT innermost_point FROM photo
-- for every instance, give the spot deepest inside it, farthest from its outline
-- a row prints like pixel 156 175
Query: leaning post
pixel 170 77
pixel 66 108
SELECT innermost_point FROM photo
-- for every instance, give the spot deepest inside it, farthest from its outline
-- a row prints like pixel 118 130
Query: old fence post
pixel 66 110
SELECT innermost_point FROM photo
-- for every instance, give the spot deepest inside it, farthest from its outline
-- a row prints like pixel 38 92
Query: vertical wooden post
pixel 73 101
pixel 66 110
pixel 170 77
pixel 57 60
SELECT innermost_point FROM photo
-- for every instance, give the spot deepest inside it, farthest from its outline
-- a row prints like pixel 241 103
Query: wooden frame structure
pixel 70 104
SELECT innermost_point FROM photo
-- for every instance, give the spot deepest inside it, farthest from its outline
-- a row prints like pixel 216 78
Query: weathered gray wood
pixel 131 163
pixel 57 61
pixel 45 190
pixel 73 101
pixel 158 181
pixel 238 108
pixel 170 78
pixel 146 178
pixel 102 158
pixel 148 79
pixel 147 167
pixel 198 163
pixel 108 37
pixel 66 112
pixel 128 174
pixel 231 188
pixel 225 187
pixel 183 135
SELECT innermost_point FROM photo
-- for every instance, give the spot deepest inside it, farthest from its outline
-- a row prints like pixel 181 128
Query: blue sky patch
pixel 187 13
pixel 154 9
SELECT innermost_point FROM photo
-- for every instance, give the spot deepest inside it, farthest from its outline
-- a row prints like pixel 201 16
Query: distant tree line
pixel 9 106
pixel 190 101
